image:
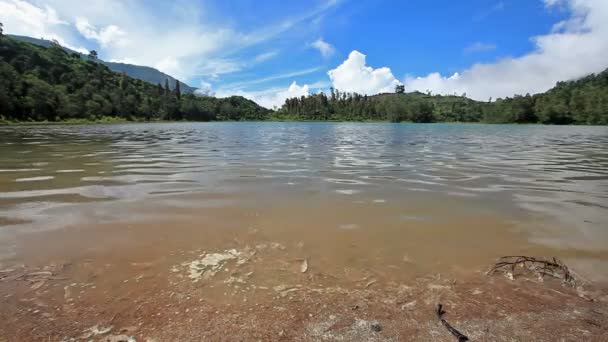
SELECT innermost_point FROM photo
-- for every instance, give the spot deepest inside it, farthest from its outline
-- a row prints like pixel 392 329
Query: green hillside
pixel 143 73
pixel 50 84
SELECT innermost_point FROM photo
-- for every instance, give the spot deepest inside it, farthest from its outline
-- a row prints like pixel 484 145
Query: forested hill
pixel 583 101
pixel 143 73
pixel 39 83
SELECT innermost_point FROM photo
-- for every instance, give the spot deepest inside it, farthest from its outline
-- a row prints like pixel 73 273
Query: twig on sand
pixel 460 336
pixel 541 267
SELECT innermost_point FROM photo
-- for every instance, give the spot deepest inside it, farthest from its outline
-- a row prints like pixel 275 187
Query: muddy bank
pixel 262 291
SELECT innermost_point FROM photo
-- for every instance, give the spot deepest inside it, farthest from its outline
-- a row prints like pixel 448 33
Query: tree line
pixel 583 101
pixel 50 84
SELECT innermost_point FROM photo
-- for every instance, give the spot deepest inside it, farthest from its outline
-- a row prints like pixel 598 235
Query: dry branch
pixel 508 265
pixel 460 336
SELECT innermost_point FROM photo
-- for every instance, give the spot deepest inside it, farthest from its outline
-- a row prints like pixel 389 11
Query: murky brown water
pixel 257 217
pixel 407 198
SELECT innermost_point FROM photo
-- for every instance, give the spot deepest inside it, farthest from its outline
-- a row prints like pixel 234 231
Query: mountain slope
pixel 147 74
pixel 143 73
pixel 50 84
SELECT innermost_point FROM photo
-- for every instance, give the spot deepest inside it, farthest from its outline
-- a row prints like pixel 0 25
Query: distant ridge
pixel 139 72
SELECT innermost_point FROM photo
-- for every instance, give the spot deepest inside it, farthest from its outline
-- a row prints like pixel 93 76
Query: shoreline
pixel 113 283
pixel 123 122
pixel 78 302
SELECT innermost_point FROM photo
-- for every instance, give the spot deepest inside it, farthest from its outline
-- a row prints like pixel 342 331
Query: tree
pixel 1 30
pixel 167 90
pixel 55 44
pixel 421 111
pixel 399 89
pixel 177 91
pixel 93 55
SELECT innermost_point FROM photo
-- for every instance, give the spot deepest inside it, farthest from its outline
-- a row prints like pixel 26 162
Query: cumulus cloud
pixel 353 75
pixel 324 47
pixel 575 47
pixel 269 98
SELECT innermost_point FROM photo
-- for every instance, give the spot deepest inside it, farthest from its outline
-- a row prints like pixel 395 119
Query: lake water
pixel 399 200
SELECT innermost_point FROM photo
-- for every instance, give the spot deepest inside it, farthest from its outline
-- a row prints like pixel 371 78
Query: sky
pixel 271 50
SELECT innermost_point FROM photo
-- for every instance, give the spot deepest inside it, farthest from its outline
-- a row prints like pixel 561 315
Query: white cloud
pixel 269 98
pixel 271 31
pixel 110 34
pixel 265 56
pixel 273 77
pixel 205 85
pixel 353 75
pixel 324 47
pixel 320 85
pixel 215 67
pixel 204 89
pixel 498 7
pixel 479 47
pixel 550 3
pixel 23 18
pixel 169 65
pixel 123 60
pixel 574 48
pixel 181 38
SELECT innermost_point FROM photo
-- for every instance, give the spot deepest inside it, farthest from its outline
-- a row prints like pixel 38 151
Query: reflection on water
pixel 552 180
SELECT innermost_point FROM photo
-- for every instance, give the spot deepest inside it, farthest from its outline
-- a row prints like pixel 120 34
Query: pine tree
pixel 177 91
pixel 167 90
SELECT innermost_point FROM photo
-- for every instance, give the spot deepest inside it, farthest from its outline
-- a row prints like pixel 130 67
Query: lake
pixel 442 197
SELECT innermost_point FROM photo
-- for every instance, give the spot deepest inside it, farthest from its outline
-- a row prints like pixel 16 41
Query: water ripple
pixel 544 169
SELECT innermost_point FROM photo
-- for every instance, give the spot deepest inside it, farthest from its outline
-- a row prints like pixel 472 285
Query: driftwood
pixel 460 336
pixel 554 268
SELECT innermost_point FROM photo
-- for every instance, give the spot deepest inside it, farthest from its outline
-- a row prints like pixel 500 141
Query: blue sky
pixel 268 50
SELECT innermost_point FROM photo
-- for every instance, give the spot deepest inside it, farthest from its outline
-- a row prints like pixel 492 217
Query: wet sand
pixel 136 276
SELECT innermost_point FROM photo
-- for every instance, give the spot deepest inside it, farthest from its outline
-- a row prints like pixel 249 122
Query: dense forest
pixel 583 101
pixel 50 84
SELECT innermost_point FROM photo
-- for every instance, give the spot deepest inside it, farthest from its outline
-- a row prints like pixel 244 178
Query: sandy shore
pixel 261 292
